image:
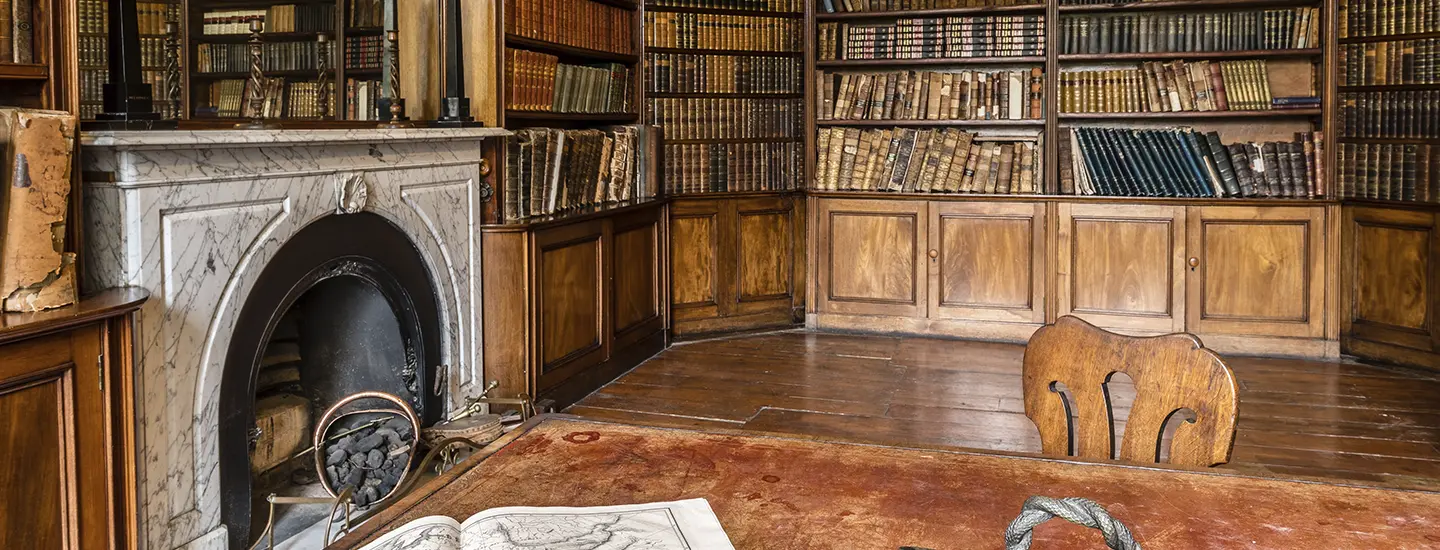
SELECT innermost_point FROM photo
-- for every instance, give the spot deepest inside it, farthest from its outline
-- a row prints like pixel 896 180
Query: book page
pixel 427 533
pixel 681 525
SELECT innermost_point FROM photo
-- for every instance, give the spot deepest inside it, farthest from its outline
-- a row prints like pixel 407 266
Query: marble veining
pixel 194 217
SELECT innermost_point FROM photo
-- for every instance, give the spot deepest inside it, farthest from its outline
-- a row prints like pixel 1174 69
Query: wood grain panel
pixel 636 276
pixel 1389 258
pixel 986 261
pixel 1121 266
pixel 570 301
pixel 693 257
pixel 763 254
pixel 37 481
pixel 1256 271
pixel 505 263
pixel 871 254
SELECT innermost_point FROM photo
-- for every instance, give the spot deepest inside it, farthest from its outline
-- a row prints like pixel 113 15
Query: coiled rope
pixel 1038 510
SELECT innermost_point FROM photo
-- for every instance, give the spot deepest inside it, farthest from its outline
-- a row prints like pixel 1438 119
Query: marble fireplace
pixel 224 227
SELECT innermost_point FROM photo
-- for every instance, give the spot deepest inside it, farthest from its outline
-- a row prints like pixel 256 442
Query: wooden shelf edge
pixel 1388 88
pixel 981 197
pixel 979 10
pixel 1145 56
pixel 1388 38
pixel 724 95
pixel 1271 113
pixel 703 51
pixel 580 214
pixel 704 141
pixel 24 71
pixel 1009 60
pixel 725 11
pixel 567 52
pixel 547 115
pixel 867 122
pixel 1181 5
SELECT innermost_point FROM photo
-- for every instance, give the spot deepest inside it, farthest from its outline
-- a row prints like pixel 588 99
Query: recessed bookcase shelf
pixel 1192 5
pixel 569 54
pixel 1388 37
pixel 1271 113
pixel 703 51
pixel 946 12
pixel 725 11
pixel 594 118
pixel 726 95
pixel 1038 123
pixel 948 61
pixel 1166 56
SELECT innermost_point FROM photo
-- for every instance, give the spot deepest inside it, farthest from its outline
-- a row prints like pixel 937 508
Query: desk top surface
pixel 775 492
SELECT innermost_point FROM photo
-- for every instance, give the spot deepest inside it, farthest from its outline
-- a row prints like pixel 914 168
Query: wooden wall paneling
pixel 1122 266
pixel 987 261
pixel 800 258
pixel 119 384
pixel 637 282
pixel 871 257
pixel 571 292
pixel 764 240
pixel 695 260
pixel 1256 271
pixel 1389 282
pixel 505 263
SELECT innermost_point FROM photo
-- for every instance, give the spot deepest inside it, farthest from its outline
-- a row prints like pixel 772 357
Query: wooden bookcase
pixel 40 83
pixel 509 38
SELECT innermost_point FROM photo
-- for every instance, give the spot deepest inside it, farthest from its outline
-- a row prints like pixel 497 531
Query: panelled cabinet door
pixel 695 261
pixel 639 301
pixel 1390 260
pixel 1122 267
pixel 765 244
pixel 1256 271
pixel 570 294
pixel 987 261
pixel 871 257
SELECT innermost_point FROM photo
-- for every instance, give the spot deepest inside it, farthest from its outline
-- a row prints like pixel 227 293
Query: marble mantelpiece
pixel 194 217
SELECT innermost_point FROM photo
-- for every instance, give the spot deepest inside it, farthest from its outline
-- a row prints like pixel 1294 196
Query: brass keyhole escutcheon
pixel 1194 263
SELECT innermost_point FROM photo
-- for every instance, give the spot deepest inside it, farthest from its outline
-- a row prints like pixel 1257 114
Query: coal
pixel 371 461
pixel 336 456
pixel 374 459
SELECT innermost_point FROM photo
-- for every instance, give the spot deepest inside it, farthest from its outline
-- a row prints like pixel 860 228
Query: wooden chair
pixel 1171 373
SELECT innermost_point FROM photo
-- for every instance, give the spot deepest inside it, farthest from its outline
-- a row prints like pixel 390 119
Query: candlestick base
pixel 392 114
pixel 257 124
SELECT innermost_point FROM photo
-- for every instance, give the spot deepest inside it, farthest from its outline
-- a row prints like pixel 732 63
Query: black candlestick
pixel 454 107
pixel 129 101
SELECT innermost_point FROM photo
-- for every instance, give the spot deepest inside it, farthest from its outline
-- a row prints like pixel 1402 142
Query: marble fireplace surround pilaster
pixel 194 217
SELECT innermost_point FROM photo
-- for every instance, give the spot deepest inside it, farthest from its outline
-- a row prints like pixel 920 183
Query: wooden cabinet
pixel 737 263
pixel 987 261
pixel 1256 271
pixel 1122 266
pixel 67 426
pixel 1390 284
pixel 872 257
pixel 569 305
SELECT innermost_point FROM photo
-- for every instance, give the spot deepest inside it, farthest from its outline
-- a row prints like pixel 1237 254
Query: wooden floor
pixel 1368 424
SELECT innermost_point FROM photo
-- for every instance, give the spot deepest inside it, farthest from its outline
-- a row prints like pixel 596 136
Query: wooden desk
pixel 782 493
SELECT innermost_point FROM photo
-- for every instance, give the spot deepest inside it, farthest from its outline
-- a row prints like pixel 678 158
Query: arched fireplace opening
pixel 344 306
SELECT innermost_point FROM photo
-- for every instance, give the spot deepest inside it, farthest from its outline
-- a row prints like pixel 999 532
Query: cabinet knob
pixel 1194 262
pixel 934 253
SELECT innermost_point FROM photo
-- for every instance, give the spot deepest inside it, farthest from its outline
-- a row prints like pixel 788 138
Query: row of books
pixel 230 98
pixel 934 37
pixel 932 95
pixel 366 13
pixel 694 73
pixel 275 56
pixel 577 23
pixel 1277 29
pixel 1362 18
pixel 552 170
pixel 725 167
pixel 278 18
pixel 302 99
pixel 908 160
pixel 712 118
pixel 1403 172
pixel 1181 162
pixel 850 6
pixel 1176 86
pixel 722 32
pixel 1389 114
pixel 539 82
pixel 1393 62
pixel 94 18
pixel 361 98
pixel 364 52
pixel 787 6
pixel 17 31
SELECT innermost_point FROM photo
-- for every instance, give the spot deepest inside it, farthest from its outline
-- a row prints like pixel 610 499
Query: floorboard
pixel 1364 424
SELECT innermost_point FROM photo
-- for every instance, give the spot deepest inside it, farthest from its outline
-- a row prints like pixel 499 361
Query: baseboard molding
pixel 1390 353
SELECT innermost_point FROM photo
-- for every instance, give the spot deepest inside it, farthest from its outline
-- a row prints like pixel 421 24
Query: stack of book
pixel 908 160
pixel 1278 29
pixel 691 73
pixel 226 99
pixel 1181 162
pixel 302 99
pixel 1393 62
pixel 277 56
pixel 711 118
pixel 363 52
pixel 1365 18
pixel 722 32
pixel 789 6
pixel 848 6
pixel 935 38
pixel 367 13
pixel 932 95
pixel 1389 171
pixel 279 18
pixel 724 167
pixel 360 98
pixel 1177 86
pixel 1405 114
pixel 539 82
pixel 550 170
pixel 577 23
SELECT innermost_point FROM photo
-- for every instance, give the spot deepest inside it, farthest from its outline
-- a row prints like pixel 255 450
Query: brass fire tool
pixel 258 82
pixel 339 502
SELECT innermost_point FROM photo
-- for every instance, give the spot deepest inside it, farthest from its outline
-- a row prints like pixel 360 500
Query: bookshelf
pixel 214 59
pixel 32 66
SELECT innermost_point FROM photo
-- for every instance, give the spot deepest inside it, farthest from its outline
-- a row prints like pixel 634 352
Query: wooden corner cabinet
pixel 67 426
pixel 571 303
pixel 1246 278
pixel 1390 284
pixel 737 262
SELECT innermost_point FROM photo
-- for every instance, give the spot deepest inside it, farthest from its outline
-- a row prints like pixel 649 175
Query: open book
pixel 680 525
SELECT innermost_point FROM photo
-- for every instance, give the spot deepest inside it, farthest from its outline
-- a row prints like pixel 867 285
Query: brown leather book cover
pixel 38 147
